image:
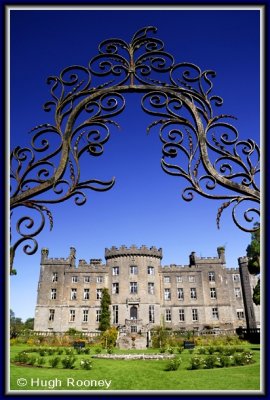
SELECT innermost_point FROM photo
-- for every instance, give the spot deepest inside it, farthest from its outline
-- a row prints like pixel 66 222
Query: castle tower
pixel 247 293
pixel 135 286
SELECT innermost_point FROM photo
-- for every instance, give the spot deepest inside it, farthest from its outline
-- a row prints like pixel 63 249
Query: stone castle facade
pixel 202 295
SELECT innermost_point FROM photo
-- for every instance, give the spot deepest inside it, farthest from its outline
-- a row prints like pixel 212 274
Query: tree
pixel 253 254
pixel 104 322
pixel 16 325
pixel 29 323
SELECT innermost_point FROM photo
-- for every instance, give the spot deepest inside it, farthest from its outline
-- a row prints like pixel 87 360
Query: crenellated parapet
pixel 232 270
pixel 133 250
pixel 220 259
pixel 174 268
pixel 70 260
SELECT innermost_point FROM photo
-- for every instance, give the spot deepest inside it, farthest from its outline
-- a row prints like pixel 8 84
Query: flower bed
pixel 135 356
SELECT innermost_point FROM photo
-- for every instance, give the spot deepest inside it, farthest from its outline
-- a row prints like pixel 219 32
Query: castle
pixel 202 295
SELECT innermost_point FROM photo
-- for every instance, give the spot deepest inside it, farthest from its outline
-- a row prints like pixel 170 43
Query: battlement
pixel 133 250
pixel 174 268
pixel 195 260
pixel 232 270
pixel 70 261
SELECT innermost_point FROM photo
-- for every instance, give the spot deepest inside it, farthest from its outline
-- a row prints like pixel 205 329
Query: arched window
pixel 133 312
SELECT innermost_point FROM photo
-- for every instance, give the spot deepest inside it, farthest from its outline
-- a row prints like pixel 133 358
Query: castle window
pixel 71 315
pixel 99 279
pixel 181 315
pixel 99 294
pixel 73 294
pixel 115 314
pixel 193 293
pixel 86 279
pixel 213 293
pixel 115 288
pixel 86 294
pixel 237 292
pixel 51 315
pixel 133 270
pixel 168 315
pixel 55 277
pixel 179 279
pixel 151 313
pixel 167 294
pixel 167 279
pixel 98 315
pixel 211 276
pixel 53 294
pixel 180 293
pixel 194 314
pixel 236 277
pixel 133 287
pixel 240 314
pixel 74 279
pixel 151 288
pixel 115 271
pixel 85 315
pixel 133 329
pixel 191 278
pixel 215 313
pixel 150 270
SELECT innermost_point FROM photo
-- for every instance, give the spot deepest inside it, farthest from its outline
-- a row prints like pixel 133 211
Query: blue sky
pixel 145 204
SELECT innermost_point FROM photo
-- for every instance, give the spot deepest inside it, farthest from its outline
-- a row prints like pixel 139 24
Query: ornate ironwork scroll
pixel 206 148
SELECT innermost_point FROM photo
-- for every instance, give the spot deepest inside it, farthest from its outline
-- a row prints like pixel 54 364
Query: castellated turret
pixel 133 251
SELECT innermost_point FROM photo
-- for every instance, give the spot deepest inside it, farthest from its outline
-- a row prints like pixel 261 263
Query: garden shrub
pixel 195 362
pixel 180 349
pixel 174 364
pixel 98 350
pixel 201 350
pixel 69 352
pixel 68 362
pixel 87 350
pixel 244 358
pixel 21 357
pixel 210 361
pixel 54 362
pixel 162 350
pixel 224 361
pixel 30 342
pixel 51 351
pixel 40 361
pixel 60 351
pixel 110 350
pixel 170 350
pixel 31 361
pixel 86 364
pixel 211 350
pixel 228 351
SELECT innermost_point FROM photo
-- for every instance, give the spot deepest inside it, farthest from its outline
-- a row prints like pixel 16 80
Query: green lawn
pixel 135 375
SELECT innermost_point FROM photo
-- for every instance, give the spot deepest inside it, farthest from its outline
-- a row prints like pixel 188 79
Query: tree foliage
pixel 109 337
pixel 16 325
pixel 253 254
pixel 104 322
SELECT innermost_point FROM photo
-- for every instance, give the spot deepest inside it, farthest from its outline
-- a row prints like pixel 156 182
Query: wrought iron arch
pixel 214 161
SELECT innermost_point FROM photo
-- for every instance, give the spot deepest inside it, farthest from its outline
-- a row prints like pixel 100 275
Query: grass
pixel 137 374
